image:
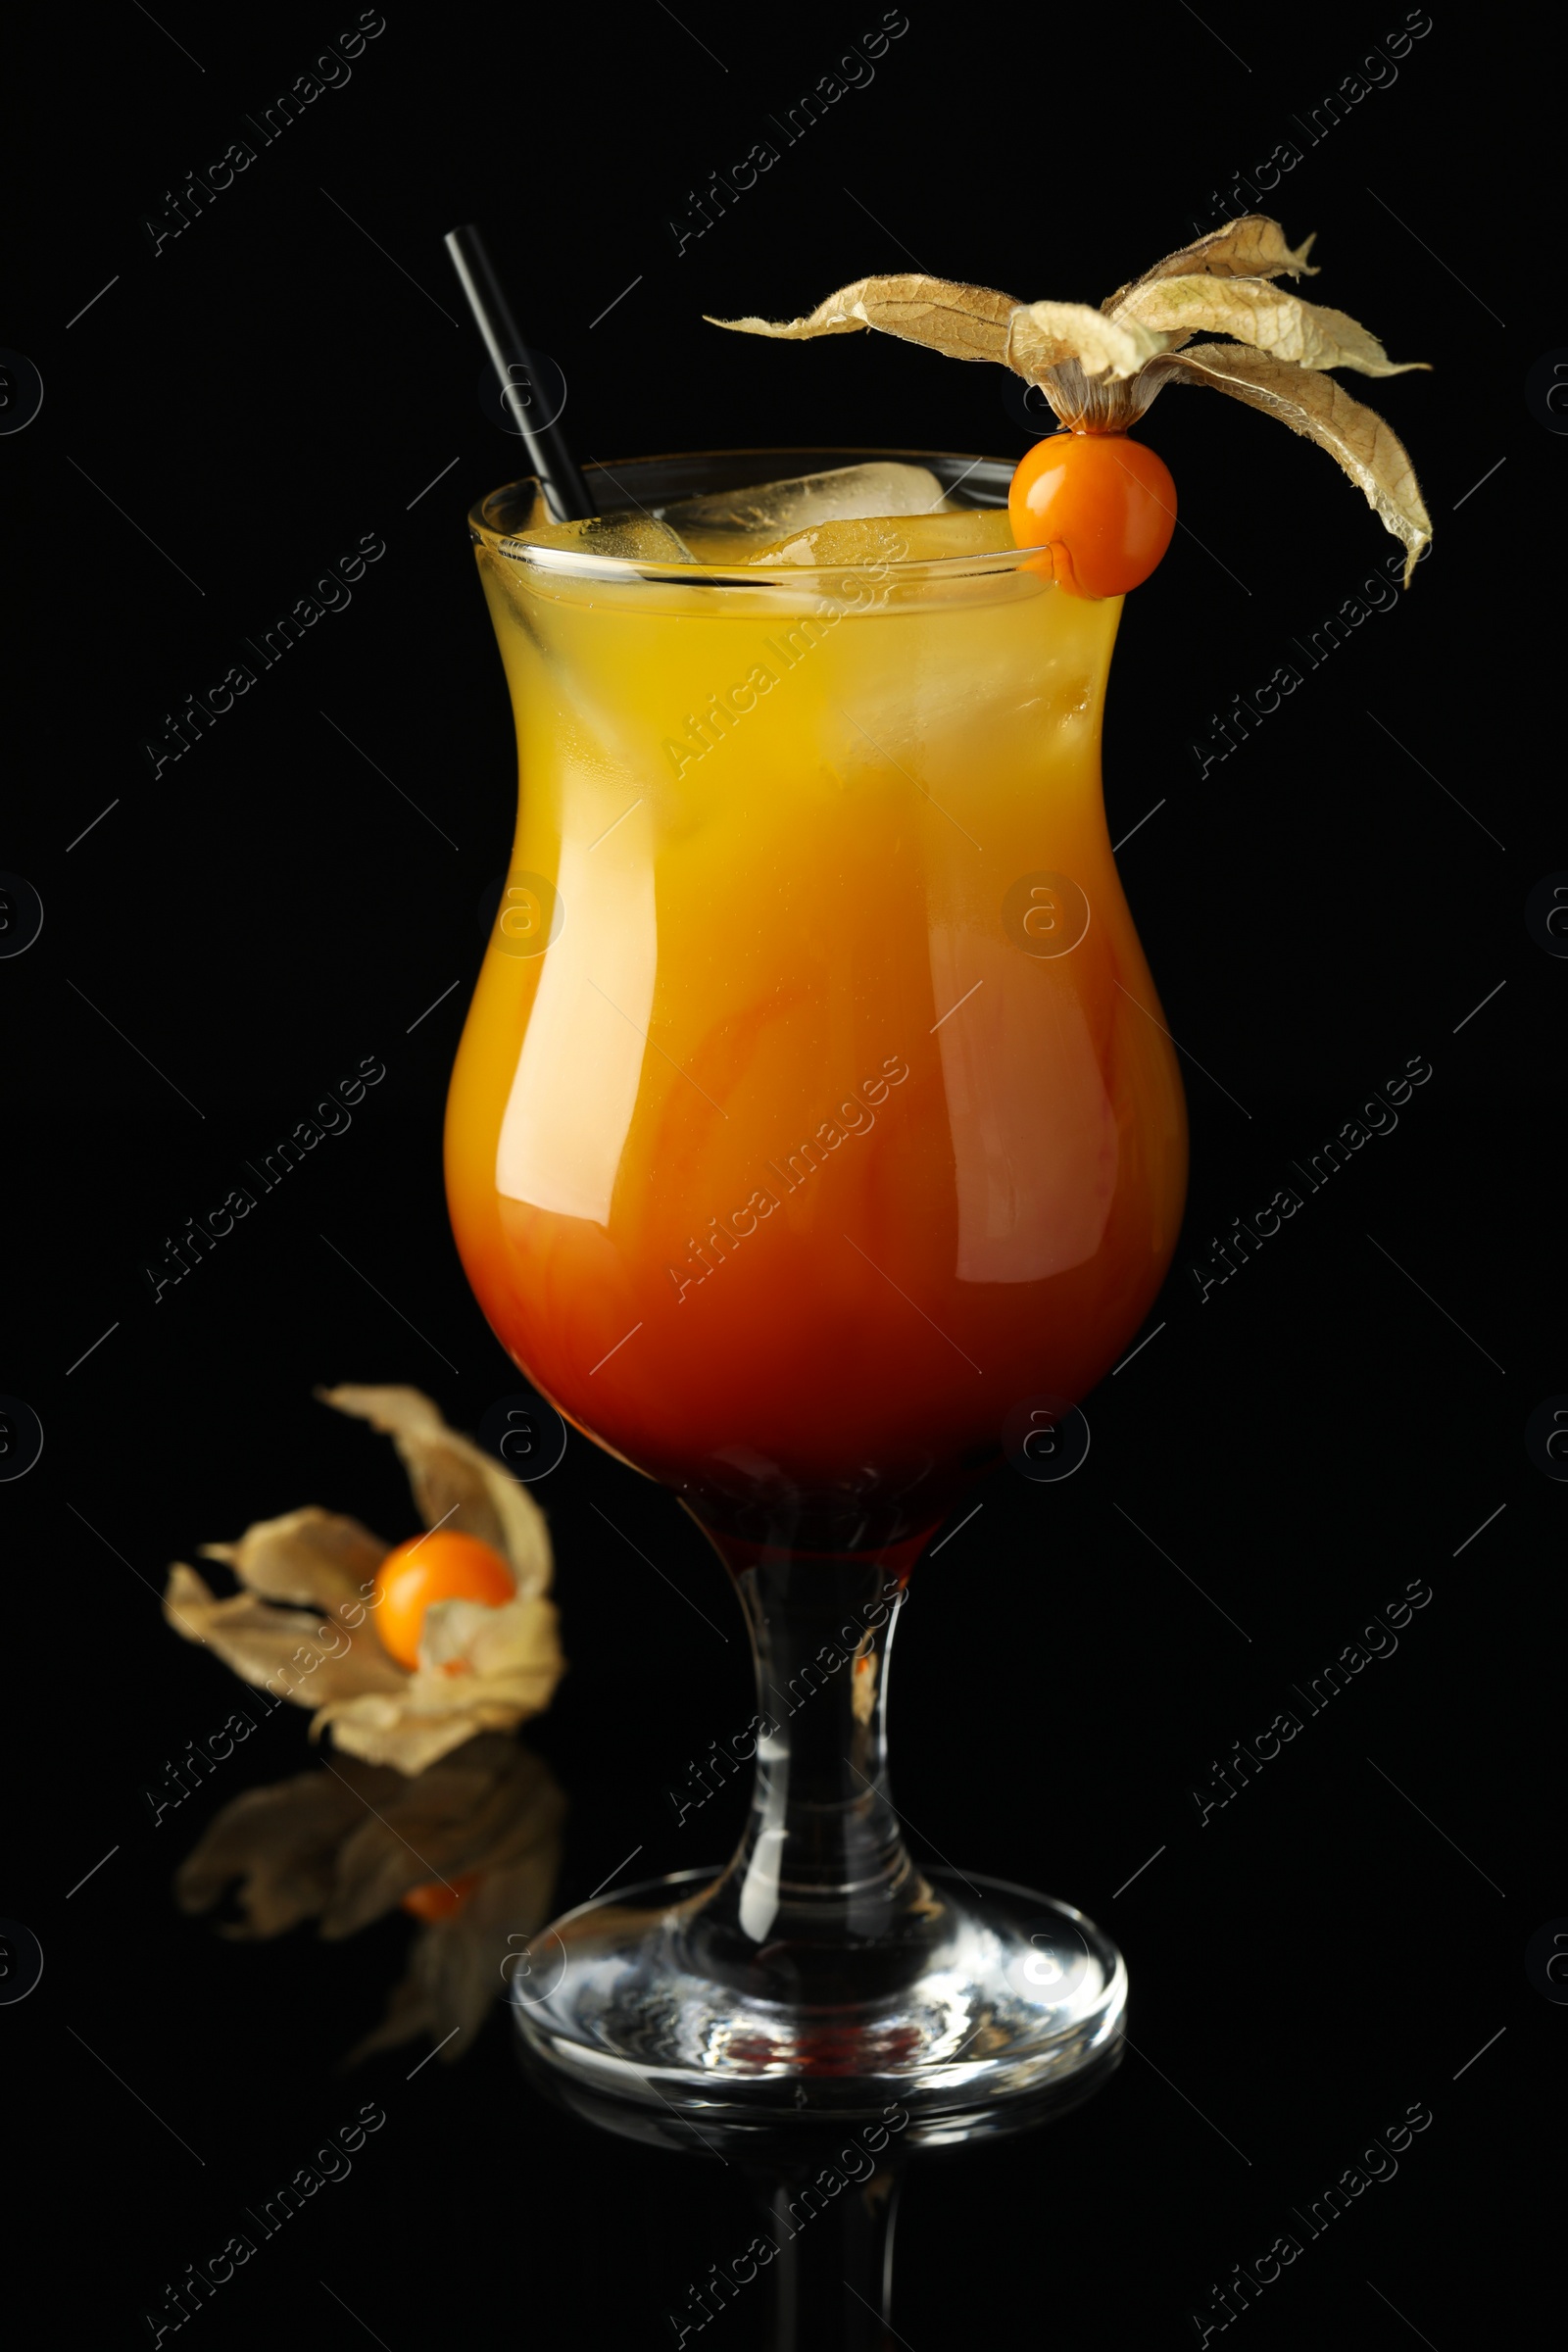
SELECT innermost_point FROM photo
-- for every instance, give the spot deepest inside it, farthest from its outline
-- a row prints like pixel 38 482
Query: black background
pixel 280 379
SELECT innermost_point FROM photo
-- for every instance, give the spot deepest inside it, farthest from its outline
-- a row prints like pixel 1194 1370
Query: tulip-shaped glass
pixel 815 1143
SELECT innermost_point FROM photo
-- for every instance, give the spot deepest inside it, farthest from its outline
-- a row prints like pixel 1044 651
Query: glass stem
pixel 821 1902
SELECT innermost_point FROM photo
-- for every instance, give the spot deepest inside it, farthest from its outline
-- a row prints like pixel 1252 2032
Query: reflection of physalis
pixel 862 1689
pixel 471 1847
pixel 406 1652
pixel 1103 505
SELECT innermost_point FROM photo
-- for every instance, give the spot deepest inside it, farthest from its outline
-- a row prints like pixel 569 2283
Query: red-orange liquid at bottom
pixel 837 1121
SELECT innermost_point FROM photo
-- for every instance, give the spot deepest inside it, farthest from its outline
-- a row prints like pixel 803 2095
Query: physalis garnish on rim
pixel 1105 507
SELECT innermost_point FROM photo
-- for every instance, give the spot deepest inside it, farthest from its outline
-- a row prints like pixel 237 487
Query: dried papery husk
pixel 508 1662
pixel 477 1636
pixel 480 1669
pixel 1369 450
pixel 1044 334
pixel 962 323
pixel 455 1484
pixel 1092 404
pixel 320 1562
pixel 314 1558
pixel 1266 316
pixel 970 323
pixel 304 1655
pixel 1101 369
pixel 1253 246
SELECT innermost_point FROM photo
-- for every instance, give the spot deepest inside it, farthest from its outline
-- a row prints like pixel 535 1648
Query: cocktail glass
pixel 814 1141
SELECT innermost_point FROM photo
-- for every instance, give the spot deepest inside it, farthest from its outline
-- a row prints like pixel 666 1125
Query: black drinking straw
pixel 562 485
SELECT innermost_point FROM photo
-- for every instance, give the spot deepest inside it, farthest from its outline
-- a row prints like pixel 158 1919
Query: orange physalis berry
pixel 443 1566
pixel 1104 506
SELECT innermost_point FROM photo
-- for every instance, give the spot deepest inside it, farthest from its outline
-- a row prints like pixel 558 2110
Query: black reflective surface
pixel 1190 1686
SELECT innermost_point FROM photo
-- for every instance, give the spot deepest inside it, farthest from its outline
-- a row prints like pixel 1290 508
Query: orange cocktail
pixel 815 1106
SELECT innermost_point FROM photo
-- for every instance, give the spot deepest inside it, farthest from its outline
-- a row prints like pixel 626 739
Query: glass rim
pixel 578 566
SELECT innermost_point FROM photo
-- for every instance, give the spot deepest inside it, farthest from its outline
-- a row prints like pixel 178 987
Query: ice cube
pixel 771 511
pixel 637 538
pixel 894 538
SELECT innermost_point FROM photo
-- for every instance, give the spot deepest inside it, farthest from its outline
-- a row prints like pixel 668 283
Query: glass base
pixel 1014 2010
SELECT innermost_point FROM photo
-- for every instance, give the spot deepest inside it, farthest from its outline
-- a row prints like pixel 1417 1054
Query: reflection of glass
pixel 823 1120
